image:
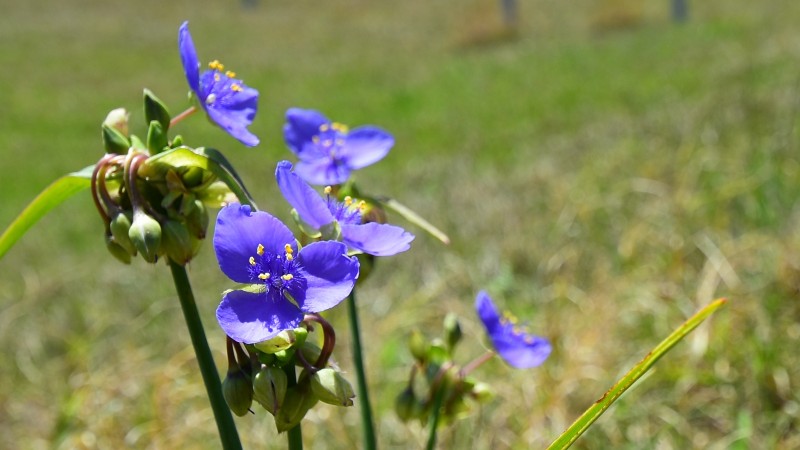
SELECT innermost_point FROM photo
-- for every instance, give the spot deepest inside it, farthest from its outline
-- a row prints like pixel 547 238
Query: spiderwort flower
pixel 227 100
pixel 256 248
pixel 373 238
pixel 512 342
pixel 329 151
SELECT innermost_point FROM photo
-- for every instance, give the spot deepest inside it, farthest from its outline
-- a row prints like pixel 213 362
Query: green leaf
pixel 599 407
pixel 156 137
pixel 186 157
pixel 154 109
pixel 414 218
pixel 55 194
pixel 217 156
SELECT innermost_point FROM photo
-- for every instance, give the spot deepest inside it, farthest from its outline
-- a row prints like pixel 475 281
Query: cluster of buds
pixel 265 373
pixel 154 195
pixel 436 381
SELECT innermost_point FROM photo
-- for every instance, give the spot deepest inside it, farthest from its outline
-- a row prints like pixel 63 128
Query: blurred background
pixel 602 169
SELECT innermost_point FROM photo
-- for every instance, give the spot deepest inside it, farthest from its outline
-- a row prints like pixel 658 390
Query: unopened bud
pixel 419 346
pixel 406 405
pixel 114 141
pixel 482 392
pixel 238 392
pixel 120 227
pixel 157 139
pixel 284 340
pixel 177 242
pixel 145 233
pixel 332 388
pixel 452 331
pixel 197 219
pixel 299 399
pixel 117 250
pixel 310 351
pixel 117 119
pixel 269 386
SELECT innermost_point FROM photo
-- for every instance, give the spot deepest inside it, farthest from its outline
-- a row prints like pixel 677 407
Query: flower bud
pixel 117 119
pixel 482 392
pixel 194 177
pixel 299 399
pixel 284 340
pixel 452 331
pixel 176 242
pixel 310 351
pixel 197 219
pixel 157 139
pixel 332 388
pixel 269 388
pixel 117 250
pixel 237 391
pixel 145 233
pixel 114 141
pixel 419 346
pixel 120 227
pixel 154 109
pixel 406 405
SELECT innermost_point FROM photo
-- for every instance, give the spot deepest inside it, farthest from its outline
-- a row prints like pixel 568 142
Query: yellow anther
pixel 216 65
pixel 230 74
pixel 324 127
pixel 327 142
pixel 287 277
pixel 315 139
pixel 327 190
pixel 340 127
pixel 288 249
pixel 263 276
pixel 260 250
pixel 289 257
pixel 236 88
pixel 362 205
pixel 216 77
pixel 252 261
pixel 348 200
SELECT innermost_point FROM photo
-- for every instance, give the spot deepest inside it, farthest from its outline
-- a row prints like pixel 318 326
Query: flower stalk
pixel 225 425
pixel 367 423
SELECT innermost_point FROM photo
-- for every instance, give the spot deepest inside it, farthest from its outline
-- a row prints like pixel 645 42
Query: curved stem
pixel 363 393
pixel 225 425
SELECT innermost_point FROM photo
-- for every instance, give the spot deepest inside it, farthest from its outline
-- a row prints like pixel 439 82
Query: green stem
pixel 435 412
pixel 363 393
pixel 295 435
pixel 227 428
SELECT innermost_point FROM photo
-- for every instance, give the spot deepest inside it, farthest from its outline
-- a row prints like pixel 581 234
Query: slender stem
pixel 227 428
pixel 294 436
pixel 475 363
pixel 183 115
pixel 363 394
pixel 435 412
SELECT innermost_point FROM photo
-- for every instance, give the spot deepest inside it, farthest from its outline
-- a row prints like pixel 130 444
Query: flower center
pixel 223 83
pixel 510 321
pixel 330 139
pixel 348 212
pixel 277 272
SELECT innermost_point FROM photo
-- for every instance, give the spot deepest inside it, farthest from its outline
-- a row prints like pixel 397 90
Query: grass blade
pixel 599 407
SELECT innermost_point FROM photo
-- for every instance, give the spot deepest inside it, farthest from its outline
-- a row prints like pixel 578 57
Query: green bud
pixel 194 177
pixel 269 388
pixel 145 233
pixel 117 119
pixel 238 392
pixel 120 227
pixel 482 392
pixel 177 141
pixel 114 141
pixel 419 346
pixel 310 351
pixel 437 352
pixel 197 219
pixel 332 388
pixel 406 405
pixel 452 331
pixel 117 250
pixel 138 145
pixel 285 356
pixel 284 340
pixel 176 242
pixel 156 138
pixel 154 109
pixel 299 399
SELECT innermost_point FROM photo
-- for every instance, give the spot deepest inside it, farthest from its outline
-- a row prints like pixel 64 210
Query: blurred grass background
pixel 602 171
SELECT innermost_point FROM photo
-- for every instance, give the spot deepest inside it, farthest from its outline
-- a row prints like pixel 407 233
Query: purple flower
pixel 373 238
pixel 227 101
pixel 511 341
pixel 257 249
pixel 327 150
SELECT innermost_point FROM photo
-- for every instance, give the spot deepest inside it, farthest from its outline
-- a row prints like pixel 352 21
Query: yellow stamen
pixel 324 127
pixel 263 276
pixel 230 74
pixel 289 250
pixel 348 200
pixel 315 139
pixel 340 127
pixel 236 88
pixel 327 142
pixel 362 205
pixel 252 261
pixel 216 65
pixel 287 277
pixel 327 190
pixel 260 250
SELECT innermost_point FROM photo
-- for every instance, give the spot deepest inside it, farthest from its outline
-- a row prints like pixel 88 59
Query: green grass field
pixel 603 173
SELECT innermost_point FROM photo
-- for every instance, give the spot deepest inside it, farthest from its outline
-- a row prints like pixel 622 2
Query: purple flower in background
pixel 257 249
pixel 373 238
pixel 512 342
pixel 327 150
pixel 227 101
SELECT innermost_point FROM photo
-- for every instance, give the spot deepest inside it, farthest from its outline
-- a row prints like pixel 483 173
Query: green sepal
pixel 452 332
pixel 237 390
pixel 120 227
pixel 269 386
pixel 145 233
pixel 419 346
pixel 176 241
pixel 154 109
pixel 305 228
pixel 299 399
pixel 156 137
pixel 114 141
pixel 284 340
pixel 177 141
pixel 137 143
pixel 332 388
pixel 117 250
